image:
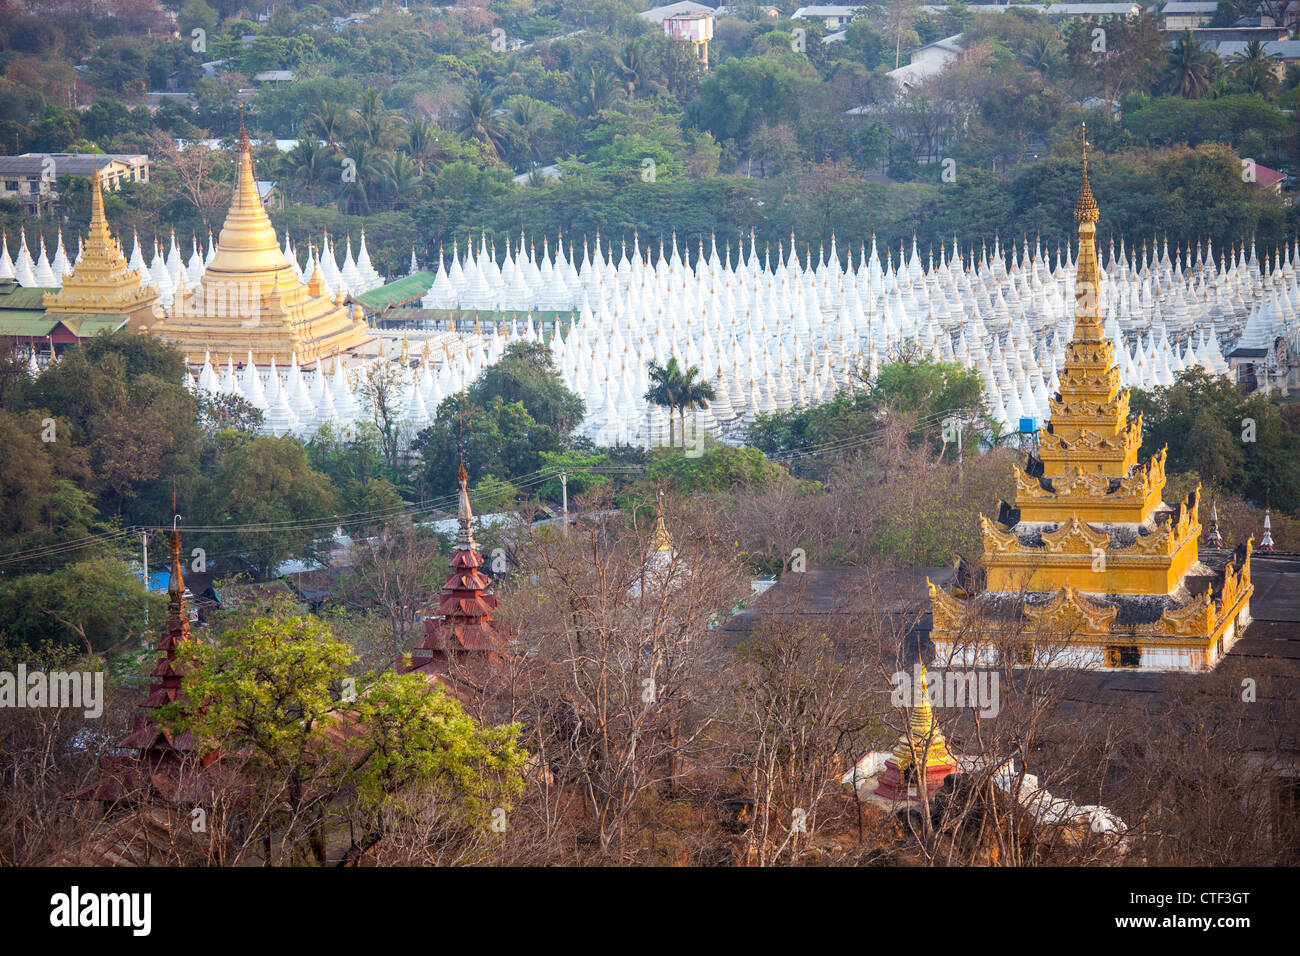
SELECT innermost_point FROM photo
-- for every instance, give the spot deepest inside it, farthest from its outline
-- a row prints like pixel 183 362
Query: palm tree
pixel 332 123
pixel 527 121
pixel 1042 53
pixel 400 177
pixel 419 142
pixel 634 68
pixel 676 390
pixel 308 163
pixel 1254 68
pixel 383 128
pixel 481 120
pixel 1191 68
pixel 597 90
pixel 363 173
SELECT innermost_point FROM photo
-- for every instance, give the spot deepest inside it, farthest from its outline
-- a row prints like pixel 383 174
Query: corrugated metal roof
pixel 30 298
pixel 400 292
pixel 25 324
pixel 84 326
pixel 76 164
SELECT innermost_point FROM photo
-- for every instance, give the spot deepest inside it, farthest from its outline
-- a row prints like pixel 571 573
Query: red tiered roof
pixel 155 767
pixel 463 631
pixel 169 673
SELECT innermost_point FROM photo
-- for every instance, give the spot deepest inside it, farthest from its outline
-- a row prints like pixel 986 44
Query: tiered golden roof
pixel 1090 540
pixel 102 284
pixel 250 297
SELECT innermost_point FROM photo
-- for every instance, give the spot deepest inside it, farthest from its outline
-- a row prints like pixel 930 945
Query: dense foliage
pixel 433 124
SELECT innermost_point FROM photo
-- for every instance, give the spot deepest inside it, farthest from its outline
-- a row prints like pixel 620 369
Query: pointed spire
pixel 1214 539
pixel 921 746
pixel 464 514
pixel 661 542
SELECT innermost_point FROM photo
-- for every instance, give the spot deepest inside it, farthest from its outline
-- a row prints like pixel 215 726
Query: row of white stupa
pixel 164 272
pixel 774 338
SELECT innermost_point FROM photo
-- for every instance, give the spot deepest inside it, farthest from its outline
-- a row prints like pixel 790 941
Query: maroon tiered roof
pixel 146 735
pixel 154 770
pixel 462 632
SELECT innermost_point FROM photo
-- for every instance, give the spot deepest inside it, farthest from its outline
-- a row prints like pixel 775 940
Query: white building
pixel 927 62
pixel 660 14
pixel 833 16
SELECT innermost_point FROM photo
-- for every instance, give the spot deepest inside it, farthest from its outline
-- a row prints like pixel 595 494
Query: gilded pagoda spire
pixel 247 244
pixel 251 299
pixel 921 752
pixel 922 744
pixel 102 282
pixel 660 540
pixel 1090 548
pixel 1087 284
pixel 464 514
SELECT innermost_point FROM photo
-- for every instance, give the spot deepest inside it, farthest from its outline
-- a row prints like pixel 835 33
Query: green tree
pixel 1190 68
pixel 274 701
pixel 479 118
pixel 196 14
pixel 1254 69
pixel 267 490
pixel 1247 446
pixel 500 439
pixel 122 399
pixel 677 390
pixel 526 374
pixel 719 468
pixel 99 604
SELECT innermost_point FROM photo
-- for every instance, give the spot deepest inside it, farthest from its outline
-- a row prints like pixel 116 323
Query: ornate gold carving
pixel 1003 542
pixel 1196 619
pixel 947 611
pixel 1068 609
pixel 1075 537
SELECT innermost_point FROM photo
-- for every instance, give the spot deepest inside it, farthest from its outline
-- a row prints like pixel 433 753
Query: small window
pixel 1025 654
pixel 1123 657
pixel 11 185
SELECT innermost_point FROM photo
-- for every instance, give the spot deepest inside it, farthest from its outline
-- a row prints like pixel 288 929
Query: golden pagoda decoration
pixel 921 750
pixel 101 284
pixel 661 542
pixel 1091 562
pixel 250 299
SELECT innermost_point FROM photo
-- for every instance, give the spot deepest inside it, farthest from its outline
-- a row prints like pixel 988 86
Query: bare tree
pixel 618 624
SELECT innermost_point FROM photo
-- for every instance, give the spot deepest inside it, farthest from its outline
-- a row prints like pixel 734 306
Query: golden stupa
pixel 101 284
pixel 921 750
pixel 250 298
pixel 1091 562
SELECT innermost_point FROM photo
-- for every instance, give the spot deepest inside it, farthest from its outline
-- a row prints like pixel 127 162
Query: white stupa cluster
pixel 42 271
pixel 298 401
pixel 777 337
pixel 774 331
pixel 165 272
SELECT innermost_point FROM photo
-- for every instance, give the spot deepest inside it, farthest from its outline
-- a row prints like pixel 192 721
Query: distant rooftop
pixel 660 14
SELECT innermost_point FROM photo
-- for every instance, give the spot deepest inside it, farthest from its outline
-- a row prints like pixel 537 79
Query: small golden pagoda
pixel 921 750
pixel 102 285
pixel 250 298
pixel 1091 561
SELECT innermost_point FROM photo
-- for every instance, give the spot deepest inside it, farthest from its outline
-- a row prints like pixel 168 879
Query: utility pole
pixel 564 493
pixel 961 465
pixel 144 545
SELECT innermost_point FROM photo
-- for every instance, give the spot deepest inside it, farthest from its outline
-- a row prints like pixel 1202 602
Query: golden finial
pixel 1085 209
